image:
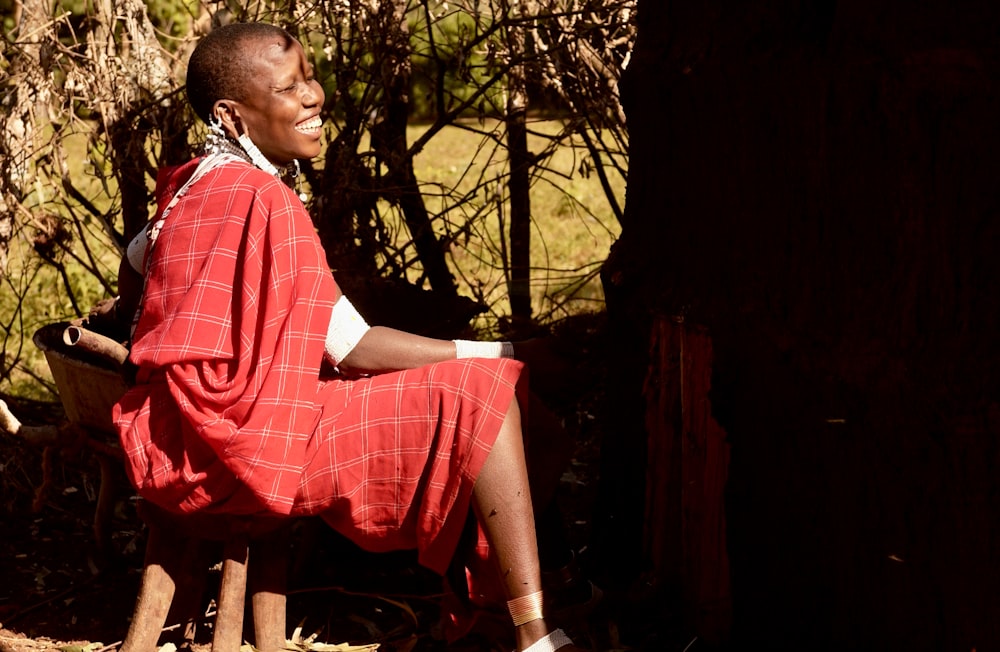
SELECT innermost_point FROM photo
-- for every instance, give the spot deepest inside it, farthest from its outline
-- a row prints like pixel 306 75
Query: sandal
pixel 554 640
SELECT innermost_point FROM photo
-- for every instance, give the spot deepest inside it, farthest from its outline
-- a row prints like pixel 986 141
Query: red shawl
pixel 228 344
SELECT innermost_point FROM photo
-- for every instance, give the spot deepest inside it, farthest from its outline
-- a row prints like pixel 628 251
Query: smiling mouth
pixel 309 126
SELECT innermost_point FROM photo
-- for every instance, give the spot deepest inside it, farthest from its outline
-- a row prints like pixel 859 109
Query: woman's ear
pixel 228 114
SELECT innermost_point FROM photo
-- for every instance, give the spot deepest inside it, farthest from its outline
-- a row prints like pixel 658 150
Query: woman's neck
pixel 228 145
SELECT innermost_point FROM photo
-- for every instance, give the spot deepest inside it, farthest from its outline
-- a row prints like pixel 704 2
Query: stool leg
pixel 190 581
pixel 105 505
pixel 155 593
pixel 228 634
pixel 268 580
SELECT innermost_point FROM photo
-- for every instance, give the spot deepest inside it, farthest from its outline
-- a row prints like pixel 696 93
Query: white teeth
pixel 310 125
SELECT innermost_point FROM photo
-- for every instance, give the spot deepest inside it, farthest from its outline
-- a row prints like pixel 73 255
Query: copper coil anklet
pixel 525 608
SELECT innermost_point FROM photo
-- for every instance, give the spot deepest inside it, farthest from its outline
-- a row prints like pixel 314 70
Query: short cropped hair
pixel 218 68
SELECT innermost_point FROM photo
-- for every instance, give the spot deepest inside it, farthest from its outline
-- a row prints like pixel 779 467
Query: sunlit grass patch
pixel 573 223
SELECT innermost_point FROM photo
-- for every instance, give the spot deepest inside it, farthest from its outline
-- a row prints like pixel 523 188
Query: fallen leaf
pixel 76 647
pixel 310 646
pixel 343 647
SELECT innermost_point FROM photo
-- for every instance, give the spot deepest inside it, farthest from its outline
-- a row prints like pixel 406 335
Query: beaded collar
pixel 227 145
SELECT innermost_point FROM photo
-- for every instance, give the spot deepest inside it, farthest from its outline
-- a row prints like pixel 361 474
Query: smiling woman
pixel 281 111
pixel 261 390
pixel 272 102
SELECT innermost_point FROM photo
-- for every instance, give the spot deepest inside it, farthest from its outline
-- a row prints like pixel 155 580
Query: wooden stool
pixel 89 370
pixel 175 567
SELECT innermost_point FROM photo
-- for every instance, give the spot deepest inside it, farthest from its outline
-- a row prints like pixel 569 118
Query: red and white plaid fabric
pixel 229 413
pixel 395 467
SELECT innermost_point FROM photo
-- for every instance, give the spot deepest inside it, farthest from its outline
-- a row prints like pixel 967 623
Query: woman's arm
pixel 356 348
pixel 382 349
pixel 129 292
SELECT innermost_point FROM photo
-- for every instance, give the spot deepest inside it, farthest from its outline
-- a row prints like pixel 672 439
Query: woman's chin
pixel 310 152
pixel 317 146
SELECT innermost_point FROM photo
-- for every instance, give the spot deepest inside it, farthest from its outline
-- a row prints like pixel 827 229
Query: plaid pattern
pixel 394 468
pixel 229 413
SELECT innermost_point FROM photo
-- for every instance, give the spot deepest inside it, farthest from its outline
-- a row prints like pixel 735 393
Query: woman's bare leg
pixel 502 501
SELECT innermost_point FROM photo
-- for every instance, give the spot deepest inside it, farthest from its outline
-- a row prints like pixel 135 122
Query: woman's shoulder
pixel 238 170
pixel 236 176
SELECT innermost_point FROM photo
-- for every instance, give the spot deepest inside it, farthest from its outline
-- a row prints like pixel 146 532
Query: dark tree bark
pixel 389 142
pixel 519 282
pixel 816 185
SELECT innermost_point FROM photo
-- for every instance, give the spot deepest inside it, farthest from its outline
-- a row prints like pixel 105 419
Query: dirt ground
pixel 58 593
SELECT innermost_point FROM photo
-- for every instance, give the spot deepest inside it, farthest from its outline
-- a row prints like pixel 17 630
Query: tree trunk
pixel 389 141
pixel 130 77
pixel 815 185
pixel 519 281
pixel 28 94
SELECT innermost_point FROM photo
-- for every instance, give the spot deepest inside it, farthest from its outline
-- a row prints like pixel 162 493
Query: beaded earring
pixel 293 174
pixel 216 141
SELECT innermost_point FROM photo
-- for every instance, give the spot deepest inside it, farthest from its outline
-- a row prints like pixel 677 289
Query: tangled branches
pixel 92 106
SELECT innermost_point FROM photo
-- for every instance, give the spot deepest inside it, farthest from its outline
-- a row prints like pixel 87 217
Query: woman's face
pixel 282 105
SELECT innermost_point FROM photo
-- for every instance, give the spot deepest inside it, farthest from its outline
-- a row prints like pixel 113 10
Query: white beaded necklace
pixel 219 142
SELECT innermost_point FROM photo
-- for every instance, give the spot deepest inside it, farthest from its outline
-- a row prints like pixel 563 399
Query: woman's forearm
pixel 384 349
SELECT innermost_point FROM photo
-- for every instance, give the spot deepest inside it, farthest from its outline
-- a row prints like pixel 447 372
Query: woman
pixel 238 311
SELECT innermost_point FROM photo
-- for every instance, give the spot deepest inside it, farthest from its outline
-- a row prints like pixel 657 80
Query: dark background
pixel 816 184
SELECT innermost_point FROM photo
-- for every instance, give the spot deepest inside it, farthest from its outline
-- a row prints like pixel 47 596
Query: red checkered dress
pixel 229 413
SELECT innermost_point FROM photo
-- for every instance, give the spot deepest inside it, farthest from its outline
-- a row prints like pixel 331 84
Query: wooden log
pixel 95 343
pixel 47 435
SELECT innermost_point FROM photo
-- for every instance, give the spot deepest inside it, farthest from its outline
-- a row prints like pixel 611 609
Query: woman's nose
pixel 313 94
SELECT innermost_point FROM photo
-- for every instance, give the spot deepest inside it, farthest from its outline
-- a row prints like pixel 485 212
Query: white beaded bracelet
pixel 346 329
pixel 474 349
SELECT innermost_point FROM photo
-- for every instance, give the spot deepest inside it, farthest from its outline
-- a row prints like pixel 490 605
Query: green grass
pixel 573 224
